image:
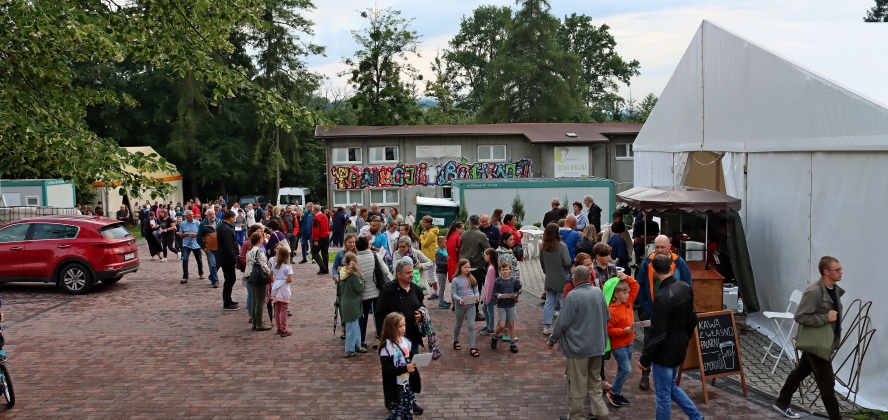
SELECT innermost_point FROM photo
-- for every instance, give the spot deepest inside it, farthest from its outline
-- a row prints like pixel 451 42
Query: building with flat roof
pixel 390 166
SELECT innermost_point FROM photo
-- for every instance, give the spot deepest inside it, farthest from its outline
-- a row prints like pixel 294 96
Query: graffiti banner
pixel 425 174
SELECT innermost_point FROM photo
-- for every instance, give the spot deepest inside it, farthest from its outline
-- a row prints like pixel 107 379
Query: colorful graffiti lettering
pixel 425 174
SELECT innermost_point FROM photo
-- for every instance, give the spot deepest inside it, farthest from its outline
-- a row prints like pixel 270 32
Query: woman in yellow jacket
pixel 428 243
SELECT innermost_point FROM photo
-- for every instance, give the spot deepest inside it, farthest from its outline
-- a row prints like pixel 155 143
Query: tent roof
pixel 678 198
pixel 774 87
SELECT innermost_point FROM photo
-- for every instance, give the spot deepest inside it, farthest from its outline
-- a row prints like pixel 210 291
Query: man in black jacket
pixel 552 215
pixel 226 256
pixel 338 228
pixel 594 216
pixel 672 326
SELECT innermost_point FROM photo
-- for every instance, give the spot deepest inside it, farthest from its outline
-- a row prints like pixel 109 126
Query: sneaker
pixel 505 337
pixel 614 400
pixel 433 296
pixel 285 333
pixel 263 327
pixel 644 384
pixel 201 276
pixel 215 285
pixel 622 400
pixel 233 307
pixel 303 261
pixel 184 281
pixel 163 260
pixel 556 314
pixel 547 331
pixel 479 317
pixel 787 412
pixel 443 305
pixel 484 331
pixel 513 347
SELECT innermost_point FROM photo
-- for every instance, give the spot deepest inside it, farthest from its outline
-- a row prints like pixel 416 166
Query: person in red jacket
pixel 453 238
pixel 320 235
pixel 619 329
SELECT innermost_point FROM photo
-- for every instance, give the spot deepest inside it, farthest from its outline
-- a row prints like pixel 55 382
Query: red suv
pixel 72 251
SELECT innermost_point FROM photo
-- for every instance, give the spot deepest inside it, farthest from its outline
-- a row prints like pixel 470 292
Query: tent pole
pixel 706 241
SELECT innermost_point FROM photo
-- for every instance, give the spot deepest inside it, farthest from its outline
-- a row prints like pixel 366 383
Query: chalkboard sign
pixel 718 344
pixel 714 350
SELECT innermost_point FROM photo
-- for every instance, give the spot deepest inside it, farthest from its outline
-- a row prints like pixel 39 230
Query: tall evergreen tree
pixel 379 70
pixel 280 61
pixel 879 12
pixel 534 79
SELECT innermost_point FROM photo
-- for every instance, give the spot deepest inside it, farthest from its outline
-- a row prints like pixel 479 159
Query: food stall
pixel 683 208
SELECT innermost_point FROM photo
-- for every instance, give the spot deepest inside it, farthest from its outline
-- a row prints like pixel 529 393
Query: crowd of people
pixel 385 269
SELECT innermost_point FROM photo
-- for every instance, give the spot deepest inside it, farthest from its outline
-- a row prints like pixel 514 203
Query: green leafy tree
pixel 601 67
pixel 379 71
pixel 43 43
pixel 479 41
pixel 533 79
pixel 879 12
pixel 441 90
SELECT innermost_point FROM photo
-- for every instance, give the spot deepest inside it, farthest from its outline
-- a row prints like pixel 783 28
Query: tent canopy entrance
pixel 702 203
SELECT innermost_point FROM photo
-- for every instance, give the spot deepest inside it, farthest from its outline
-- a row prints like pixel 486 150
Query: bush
pixel 518 209
pixel 538 224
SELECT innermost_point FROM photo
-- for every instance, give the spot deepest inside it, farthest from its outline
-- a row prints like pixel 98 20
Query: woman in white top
pixel 251 215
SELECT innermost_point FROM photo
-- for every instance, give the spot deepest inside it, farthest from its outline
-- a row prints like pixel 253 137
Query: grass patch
pixel 866 414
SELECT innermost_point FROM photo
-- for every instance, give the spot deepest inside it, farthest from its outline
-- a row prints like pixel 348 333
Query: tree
pixel 479 41
pixel 879 12
pixel 378 69
pixel 441 90
pixel 280 60
pixel 42 44
pixel 518 208
pixel 533 79
pixel 601 66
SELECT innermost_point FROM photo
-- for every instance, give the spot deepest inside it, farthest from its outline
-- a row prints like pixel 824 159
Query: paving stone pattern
pixel 148 347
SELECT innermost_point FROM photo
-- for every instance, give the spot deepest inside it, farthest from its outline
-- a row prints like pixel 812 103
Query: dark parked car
pixel 255 200
pixel 71 251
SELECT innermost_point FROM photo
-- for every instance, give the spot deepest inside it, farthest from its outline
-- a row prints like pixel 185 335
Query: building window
pixel 385 197
pixel 492 153
pixel 348 197
pixel 347 155
pixel 623 151
pixel 447 193
pixel 32 200
pixel 384 154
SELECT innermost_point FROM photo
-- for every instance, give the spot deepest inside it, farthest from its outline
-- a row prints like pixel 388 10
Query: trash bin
pixel 443 211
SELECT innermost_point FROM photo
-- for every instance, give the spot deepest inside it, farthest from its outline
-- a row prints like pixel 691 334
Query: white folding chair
pixel 777 320
pixel 527 241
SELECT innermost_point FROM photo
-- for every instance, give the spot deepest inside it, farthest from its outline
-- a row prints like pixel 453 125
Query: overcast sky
pixel 654 32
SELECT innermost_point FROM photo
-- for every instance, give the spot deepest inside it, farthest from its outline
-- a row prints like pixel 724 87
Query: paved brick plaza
pixel 150 347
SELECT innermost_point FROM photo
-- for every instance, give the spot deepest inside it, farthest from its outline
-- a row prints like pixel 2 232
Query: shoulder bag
pixel 518 251
pixel 379 276
pixel 816 340
pixel 257 276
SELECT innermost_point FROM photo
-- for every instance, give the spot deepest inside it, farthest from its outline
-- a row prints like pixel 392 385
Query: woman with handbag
pixel 256 274
pixel 371 265
pixel 153 237
pixel 555 262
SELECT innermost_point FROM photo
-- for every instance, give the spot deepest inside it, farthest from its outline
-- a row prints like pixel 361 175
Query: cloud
pixel 655 32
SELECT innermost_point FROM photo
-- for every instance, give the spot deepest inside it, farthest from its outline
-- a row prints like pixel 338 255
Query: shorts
pixel 506 314
pixel 433 277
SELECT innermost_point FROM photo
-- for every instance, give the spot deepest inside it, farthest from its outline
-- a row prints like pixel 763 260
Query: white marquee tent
pixel 798 113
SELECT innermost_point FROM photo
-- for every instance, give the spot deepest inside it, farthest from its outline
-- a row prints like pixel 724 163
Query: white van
pixel 292 195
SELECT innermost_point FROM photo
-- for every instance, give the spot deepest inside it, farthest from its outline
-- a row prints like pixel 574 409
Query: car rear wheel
pixel 112 280
pixel 76 279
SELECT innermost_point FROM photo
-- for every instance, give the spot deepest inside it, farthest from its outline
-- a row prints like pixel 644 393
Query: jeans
pixel 306 242
pixel 249 300
pixel 258 304
pixel 823 376
pixel 320 256
pixel 623 356
pixel 293 241
pixel 490 314
pixel 214 269
pixel 239 235
pixel 230 277
pixel 169 242
pixel 353 335
pixel 337 238
pixel 368 306
pixel 665 392
pixel 549 308
pixel 197 257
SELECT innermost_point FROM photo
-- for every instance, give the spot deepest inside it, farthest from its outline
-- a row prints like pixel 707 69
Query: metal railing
pixel 11 214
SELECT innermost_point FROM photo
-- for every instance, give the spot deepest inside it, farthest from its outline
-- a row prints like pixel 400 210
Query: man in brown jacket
pixel 820 305
pixel 473 242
